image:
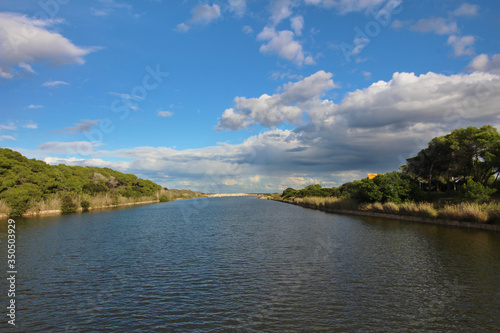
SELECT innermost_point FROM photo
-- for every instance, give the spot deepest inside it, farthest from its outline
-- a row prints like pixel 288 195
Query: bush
pixel 465 211
pixel 19 197
pixel 164 198
pixel 390 207
pixel 85 205
pixel 68 205
pixel 475 192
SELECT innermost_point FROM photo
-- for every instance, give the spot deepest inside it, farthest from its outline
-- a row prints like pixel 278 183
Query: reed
pixel 390 207
pixel 4 208
pixel 466 211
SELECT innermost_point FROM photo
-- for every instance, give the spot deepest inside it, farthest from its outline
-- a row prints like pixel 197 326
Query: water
pixel 249 265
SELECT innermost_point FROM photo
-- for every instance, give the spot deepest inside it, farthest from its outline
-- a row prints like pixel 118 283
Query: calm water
pixel 249 265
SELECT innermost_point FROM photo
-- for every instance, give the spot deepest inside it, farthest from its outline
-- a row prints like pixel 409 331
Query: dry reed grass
pixel 479 213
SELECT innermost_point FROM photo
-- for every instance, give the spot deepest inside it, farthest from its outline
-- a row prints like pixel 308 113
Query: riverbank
pixel 78 210
pixel 338 206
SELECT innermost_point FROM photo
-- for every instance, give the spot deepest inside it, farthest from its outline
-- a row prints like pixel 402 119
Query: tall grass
pixel 466 211
pixel 4 208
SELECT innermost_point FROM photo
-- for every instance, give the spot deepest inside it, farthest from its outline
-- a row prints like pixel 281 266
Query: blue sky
pixel 242 95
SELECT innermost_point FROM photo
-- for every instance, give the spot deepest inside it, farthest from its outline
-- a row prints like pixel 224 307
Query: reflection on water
pixel 249 265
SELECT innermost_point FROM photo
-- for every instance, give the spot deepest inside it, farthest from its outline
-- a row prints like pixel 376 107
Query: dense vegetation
pixel 461 167
pixel 29 183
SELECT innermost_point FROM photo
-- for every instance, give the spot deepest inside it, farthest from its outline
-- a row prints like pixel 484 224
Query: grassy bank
pixel 58 203
pixel 465 211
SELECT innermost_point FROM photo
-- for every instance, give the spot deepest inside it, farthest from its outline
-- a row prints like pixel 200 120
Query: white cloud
pixel 164 114
pixel 482 63
pixel 182 27
pixel 437 25
pixel 121 95
pixel 52 84
pixel 106 7
pixel 10 126
pixel 280 10
pixel 239 7
pixel 297 23
pixel 270 111
pixel 462 45
pixel 27 67
pixel 466 9
pixel 369 130
pixel 247 30
pixel 367 75
pixel 283 44
pixel 201 15
pixel 25 41
pixel 34 106
pixel 30 126
pixel 7 137
pixel 349 6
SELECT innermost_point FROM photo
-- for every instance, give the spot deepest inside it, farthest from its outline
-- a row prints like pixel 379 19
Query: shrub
pixel 68 205
pixel 466 211
pixel 475 192
pixel 427 210
pixel 19 198
pixel 378 207
pixel 164 198
pixel 390 207
pixel 85 205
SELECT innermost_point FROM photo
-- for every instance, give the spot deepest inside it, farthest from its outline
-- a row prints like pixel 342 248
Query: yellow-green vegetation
pixel 29 186
pixel 464 211
pixel 166 195
pixel 454 178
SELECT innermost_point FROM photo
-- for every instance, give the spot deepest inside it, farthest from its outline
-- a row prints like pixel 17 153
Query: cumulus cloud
pixel 466 9
pixel 437 25
pixel 462 45
pixel 483 63
pixel 297 24
pixel 247 30
pixel 239 7
pixel 272 110
pixel 201 15
pixel 25 41
pixel 280 10
pixel 284 45
pixel 370 130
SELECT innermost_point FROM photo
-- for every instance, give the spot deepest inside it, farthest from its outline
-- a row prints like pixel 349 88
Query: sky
pixel 244 95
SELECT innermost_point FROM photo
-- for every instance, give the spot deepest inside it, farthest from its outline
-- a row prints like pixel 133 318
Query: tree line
pixel 24 181
pixel 463 165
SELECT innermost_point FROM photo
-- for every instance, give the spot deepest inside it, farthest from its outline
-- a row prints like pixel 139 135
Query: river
pixel 249 265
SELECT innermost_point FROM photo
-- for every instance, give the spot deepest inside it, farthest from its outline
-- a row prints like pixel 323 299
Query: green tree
pixel 475 192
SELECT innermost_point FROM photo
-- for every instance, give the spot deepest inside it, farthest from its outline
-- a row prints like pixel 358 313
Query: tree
pixel 466 152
